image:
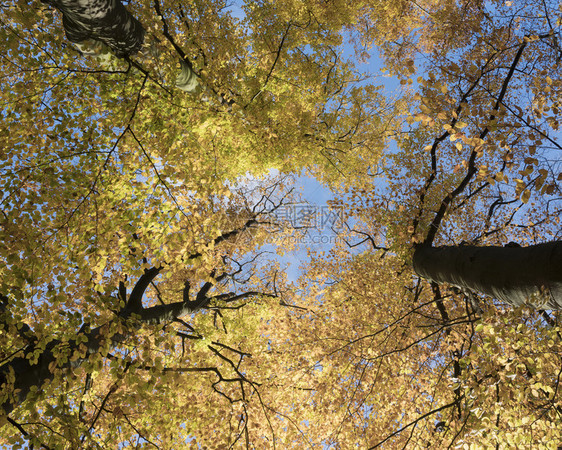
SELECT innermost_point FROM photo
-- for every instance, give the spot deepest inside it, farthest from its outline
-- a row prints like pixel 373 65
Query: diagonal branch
pixel 188 80
pixel 25 433
pixel 471 171
pixel 415 422
pixel 439 139
pixel 134 304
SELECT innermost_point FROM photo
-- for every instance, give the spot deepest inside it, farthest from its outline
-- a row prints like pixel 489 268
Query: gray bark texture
pixel 516 275
pixel 107 21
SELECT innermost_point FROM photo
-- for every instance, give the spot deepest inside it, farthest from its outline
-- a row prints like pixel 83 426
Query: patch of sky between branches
pixel 315 221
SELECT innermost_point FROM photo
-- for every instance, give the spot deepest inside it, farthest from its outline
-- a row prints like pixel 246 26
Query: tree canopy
pixel 148 149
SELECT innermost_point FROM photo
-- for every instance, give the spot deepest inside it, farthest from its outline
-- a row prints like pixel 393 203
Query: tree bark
pixel 25 374
pixel 515 275
pixel 107 21
pixel 19 375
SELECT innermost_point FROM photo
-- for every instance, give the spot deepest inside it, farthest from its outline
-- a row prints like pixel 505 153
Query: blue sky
pixel 311 191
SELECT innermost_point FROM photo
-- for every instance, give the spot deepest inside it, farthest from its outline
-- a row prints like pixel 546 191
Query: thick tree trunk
pixel 21 374
pixel 107 21
pixel 515 275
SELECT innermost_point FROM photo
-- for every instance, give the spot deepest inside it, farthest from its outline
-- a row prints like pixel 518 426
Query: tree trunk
pixel 20 375
pixel 107 21
pixel 515 275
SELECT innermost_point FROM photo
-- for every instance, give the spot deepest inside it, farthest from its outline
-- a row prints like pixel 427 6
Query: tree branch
pixel 436 222
pixel 135 300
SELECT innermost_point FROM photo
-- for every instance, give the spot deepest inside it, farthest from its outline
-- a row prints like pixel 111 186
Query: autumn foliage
pixel 144 300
